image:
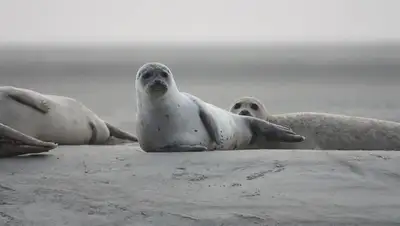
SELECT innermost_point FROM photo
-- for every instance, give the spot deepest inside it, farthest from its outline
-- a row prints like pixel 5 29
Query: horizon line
pixel 200 44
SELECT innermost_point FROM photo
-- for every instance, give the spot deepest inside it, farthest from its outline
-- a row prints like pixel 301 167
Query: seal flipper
pixel 32 99
pixel 208 121
pixel 14 143
pixel 272 132
pixel 210 125
pixel 118 133
pixel 93 138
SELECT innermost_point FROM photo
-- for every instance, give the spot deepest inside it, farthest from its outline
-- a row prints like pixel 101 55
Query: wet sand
pixel 123 186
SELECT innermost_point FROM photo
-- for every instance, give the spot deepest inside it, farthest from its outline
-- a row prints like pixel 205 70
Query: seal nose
pixel 244 112
pixel 158 82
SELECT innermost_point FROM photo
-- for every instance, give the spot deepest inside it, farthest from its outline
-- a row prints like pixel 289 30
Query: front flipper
pixel 32 99
pixel 272 132
pixel 120 134
pixel 208 121
pixel 93 128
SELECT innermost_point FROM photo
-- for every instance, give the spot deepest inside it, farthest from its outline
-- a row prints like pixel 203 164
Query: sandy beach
pixel 124 186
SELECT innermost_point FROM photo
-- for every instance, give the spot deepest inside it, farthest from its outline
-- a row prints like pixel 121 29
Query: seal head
pixel 155 79
pixel 249 106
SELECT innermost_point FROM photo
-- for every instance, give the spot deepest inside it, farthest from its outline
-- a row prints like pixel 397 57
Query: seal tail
pixel 118 133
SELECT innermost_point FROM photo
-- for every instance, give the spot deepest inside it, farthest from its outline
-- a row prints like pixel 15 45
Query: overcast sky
pixel 198 20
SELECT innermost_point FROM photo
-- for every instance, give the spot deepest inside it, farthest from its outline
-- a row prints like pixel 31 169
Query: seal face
pixel 155 79
pixel 170 120
pixel 249 106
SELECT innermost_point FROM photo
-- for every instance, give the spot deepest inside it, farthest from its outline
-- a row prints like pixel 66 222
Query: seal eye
pixel 237 106
pixel 146 75
pixel 254 107
pixel 164 74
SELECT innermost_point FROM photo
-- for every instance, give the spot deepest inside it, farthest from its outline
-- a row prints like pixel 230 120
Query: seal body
pixel 176 122
pixel 52 118
pixel 326 131
pixel 170 120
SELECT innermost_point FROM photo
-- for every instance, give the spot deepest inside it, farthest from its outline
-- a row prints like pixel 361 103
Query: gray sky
pixel 198 20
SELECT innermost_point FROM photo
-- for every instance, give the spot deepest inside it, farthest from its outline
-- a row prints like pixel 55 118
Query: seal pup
pixel 169 120
pixel 13 143
pixel 326 131
pixel 53 118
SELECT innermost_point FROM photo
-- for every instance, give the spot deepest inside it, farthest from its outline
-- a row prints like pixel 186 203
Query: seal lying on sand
pixel 58 119
pixel 326 131
pixel 169 120
pixel 13 143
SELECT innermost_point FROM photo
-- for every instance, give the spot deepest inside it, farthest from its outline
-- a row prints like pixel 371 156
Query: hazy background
pixel 339 56
pixel 105 21
pixel 336 56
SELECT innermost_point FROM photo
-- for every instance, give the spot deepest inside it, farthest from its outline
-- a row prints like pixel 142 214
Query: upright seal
pixel 169 120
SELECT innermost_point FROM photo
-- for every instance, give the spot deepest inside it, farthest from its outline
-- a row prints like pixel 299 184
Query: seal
pixel 326 131
pixel 53 118
pixel 14 143
pixel 171 121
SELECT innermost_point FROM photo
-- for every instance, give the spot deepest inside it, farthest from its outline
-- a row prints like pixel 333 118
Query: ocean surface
pixel 119 185
pixel 352 80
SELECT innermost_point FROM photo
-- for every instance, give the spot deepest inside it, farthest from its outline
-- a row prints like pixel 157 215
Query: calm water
pixel 363 82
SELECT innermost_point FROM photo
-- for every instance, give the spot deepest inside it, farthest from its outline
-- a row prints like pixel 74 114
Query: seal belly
pixel 67 124
pixel 174 124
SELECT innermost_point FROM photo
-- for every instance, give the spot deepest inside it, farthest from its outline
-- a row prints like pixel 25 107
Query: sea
pixel 356 79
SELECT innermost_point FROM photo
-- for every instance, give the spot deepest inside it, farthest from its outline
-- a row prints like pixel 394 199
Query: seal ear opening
pixel 271 131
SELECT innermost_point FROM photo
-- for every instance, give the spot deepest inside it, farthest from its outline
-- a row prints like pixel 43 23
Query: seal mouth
pixel 158 87
pixel 245 112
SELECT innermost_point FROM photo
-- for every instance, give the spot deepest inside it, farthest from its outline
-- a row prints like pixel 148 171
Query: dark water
pixel 349 80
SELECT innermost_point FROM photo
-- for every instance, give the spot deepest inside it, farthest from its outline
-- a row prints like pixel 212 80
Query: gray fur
pixel 93 138
pixel 14 143
pixel 53 118
pixel 208 120
pixel 170 120
pixel 118 133
pixel 31 99
pixel 328 131
pixel 261 129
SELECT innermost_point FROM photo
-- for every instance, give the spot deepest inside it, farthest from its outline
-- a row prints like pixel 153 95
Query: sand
pixel 121 185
